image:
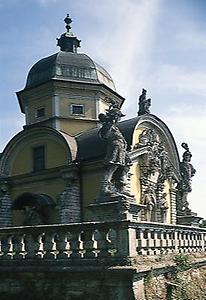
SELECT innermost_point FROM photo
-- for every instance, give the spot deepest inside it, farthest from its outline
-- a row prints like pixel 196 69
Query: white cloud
pixel 191 39
pixel 46 2
pixel 189 125
pixel 127 44
pixel 181 79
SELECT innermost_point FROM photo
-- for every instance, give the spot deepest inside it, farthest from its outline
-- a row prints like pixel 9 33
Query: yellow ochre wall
pixel 55 155
pixel 51 187
pixel 135 169
pixel 90 188
pixel 75 126
pixel 89 106
pixel 135 182
pixel 45 103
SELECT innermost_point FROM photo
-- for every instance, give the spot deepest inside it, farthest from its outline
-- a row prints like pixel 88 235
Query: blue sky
pixel 156 44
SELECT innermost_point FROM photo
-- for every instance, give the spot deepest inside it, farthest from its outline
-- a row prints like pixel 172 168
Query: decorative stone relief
pixel 155 170
pixel 163 205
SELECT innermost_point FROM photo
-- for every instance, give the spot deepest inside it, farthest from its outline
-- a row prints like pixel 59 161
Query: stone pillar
pixel 69 200
pixel 5 205
pixel 173 197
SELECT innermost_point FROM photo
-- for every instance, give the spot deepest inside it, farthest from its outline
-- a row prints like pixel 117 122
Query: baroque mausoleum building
pixel 82 190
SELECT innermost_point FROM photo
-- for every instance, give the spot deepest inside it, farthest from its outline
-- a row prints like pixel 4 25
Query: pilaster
pixel 5 204
pixel 69 200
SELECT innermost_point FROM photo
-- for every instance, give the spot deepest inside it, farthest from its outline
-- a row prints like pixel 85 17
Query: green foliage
pixel 203 224
pixel 148 277
pixel 182 262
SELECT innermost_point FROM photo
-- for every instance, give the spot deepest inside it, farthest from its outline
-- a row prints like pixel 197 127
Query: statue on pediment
pixel 144 104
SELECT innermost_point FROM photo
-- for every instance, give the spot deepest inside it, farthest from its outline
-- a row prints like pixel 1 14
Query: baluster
pixel 31 246
pixel 102 243
pixel 193 242
pixel 4 247
pixel 142 243
pixel 75 244
pixel 184 241
pixel 1 250
pixel 202 246
pixel 19 247
pixel 169 242
pixel 149 242
pixel 40 251
pixel 156 243
pixel 7 247
pixel 189 242
pixel 162 242
pixel 50 246
pixel 88 244
pixel 11 252
pixel 138 240
pixel 63 245
pixel 199 242
pixel 112 239
pixel 176 242
pixel 204 241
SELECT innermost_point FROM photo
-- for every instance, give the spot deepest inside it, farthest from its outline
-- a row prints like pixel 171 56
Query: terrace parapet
pixel 110 241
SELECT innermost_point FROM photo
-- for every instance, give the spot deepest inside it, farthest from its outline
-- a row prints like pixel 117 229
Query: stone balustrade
pixel 98 240
pixel 155 239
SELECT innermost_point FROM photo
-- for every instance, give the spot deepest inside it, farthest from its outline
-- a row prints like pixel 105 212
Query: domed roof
pixel 68 66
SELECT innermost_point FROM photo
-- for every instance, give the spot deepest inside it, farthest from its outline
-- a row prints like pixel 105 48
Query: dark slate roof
pixel 68 66
pixel 91 145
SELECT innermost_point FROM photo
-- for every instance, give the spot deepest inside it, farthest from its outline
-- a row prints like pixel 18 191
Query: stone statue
pixel 32 216
pixel 187 171
pixel 163 205
pixel 117 161
pixel 144 104
pixel 149 199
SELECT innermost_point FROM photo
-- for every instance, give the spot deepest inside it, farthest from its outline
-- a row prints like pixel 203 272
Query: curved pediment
pixel 150 133
pixel 17 156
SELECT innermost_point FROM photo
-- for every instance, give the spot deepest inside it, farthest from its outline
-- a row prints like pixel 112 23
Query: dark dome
pixel 68 66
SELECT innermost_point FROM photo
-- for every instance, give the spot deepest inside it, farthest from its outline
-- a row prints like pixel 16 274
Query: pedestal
pixel 116 208
pixel 189 220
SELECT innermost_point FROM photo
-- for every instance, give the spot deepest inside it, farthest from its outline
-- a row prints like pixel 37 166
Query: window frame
pixel 37 115
pixel 77 105
pixel 38 160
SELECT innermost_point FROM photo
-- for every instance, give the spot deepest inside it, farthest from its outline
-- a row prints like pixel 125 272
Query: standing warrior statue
pixel 117 161
pixel 144 104
pixel 187 171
